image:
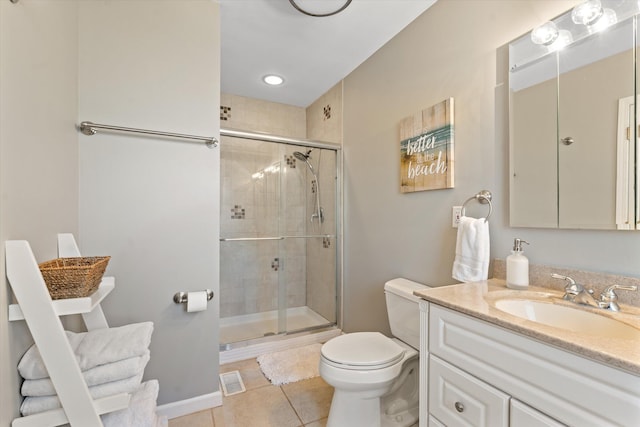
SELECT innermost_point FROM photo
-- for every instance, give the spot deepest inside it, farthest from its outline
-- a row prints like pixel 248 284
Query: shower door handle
pixel 249 239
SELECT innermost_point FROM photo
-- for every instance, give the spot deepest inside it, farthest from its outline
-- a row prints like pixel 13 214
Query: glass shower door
pixel 277 248
pixel 250 240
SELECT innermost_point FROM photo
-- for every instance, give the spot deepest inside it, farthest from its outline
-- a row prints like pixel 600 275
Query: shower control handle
pixel 319 214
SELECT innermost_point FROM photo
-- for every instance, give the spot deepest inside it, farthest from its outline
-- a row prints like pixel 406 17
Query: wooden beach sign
pixel 426 149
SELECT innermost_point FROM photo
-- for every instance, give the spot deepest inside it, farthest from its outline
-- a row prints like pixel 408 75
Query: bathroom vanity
pixel 484 366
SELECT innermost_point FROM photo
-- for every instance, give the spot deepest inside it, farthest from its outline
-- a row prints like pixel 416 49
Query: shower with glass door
pixel 278 237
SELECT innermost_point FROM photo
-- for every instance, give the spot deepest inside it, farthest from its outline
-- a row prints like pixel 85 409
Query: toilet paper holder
pixel 182 297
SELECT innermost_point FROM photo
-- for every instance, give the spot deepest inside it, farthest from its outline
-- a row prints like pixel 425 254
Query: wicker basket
pixel 73 277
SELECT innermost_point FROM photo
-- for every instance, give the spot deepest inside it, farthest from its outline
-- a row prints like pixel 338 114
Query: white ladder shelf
pixel 41 314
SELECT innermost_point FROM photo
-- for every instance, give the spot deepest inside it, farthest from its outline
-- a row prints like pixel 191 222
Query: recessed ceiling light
pixel 273 80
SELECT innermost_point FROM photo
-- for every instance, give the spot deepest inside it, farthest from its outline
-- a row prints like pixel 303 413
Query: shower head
pixel 305 158
pixel 301 156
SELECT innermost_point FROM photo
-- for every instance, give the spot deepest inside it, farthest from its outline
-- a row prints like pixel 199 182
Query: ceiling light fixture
pixel 320 8
pixel 273 80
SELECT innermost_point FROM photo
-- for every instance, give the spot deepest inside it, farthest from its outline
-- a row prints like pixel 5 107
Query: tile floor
pixel 302 404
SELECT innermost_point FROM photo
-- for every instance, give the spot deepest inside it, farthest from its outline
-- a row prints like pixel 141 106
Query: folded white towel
pixel 94 348
pixel 471 263
pixel 101 374
pixel 141 411
pixel 33 405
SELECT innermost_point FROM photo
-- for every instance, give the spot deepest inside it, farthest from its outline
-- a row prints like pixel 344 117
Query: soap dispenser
pixel 517 267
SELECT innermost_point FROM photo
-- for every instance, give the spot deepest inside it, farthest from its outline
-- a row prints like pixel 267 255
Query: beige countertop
pixel 474 299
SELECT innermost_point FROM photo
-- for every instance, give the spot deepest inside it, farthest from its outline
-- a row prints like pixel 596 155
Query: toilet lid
pixel 363 350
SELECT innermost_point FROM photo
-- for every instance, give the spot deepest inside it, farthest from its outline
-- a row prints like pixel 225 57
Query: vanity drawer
pixel 458 399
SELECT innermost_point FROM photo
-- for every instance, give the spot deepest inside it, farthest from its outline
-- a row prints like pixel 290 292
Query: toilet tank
pixel 403 311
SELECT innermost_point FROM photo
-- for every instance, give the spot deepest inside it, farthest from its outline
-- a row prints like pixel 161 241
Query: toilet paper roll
pixel 196 301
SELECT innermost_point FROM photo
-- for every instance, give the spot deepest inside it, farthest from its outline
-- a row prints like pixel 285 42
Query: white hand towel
pixel 141 411
pixel 33 405
pixel 471 263
pixel 94 348
pixel 101 374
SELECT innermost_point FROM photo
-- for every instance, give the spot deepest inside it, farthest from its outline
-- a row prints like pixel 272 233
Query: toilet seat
pixel 362 351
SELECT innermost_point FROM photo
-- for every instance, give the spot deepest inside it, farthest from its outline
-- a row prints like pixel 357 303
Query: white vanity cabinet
pixel 480 374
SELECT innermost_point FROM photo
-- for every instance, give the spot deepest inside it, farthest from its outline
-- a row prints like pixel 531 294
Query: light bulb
pixel 607 19
pixel 273 80
pixel 545 34
pixel 564 39
pixel 587 13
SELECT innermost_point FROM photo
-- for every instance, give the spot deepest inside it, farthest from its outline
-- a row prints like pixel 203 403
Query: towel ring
pixel 483 197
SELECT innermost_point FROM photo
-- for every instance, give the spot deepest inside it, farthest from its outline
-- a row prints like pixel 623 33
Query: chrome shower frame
pixel 311 144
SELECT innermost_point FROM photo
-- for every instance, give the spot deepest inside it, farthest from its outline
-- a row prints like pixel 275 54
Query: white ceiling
pixel 261 37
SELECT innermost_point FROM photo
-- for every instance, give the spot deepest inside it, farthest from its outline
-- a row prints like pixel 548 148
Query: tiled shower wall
pixel 324 123
pixel 255 115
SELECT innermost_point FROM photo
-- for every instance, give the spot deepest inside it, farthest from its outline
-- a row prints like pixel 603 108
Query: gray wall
pixel 449 51
pixel 38 152
pixel 148 203
pixel 152 203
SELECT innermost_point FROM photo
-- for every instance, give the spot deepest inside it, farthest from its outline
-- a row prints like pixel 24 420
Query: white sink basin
pixel 568 318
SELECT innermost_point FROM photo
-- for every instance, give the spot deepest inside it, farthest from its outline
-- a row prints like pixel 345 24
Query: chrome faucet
pixel 577 293
pixel 609 297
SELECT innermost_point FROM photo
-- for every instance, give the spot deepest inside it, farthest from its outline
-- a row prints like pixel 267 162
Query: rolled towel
pixel 34 405
pixel 141 411
pixel 101 374
pixel 94 348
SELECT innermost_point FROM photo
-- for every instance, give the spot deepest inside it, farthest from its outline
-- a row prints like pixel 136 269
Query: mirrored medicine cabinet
pixel 572 120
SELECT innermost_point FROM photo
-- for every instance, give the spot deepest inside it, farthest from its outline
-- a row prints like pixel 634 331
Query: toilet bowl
pixel 375 378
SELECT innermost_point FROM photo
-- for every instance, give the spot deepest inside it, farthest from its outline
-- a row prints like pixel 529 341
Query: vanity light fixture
pixel 587 12
pixel 593 15
pixel 273 80
pixel 545 34
pixel 564 39
pixel 607 19
pixel 548 35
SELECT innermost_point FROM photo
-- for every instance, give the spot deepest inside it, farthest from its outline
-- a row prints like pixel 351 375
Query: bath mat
pixel 289 366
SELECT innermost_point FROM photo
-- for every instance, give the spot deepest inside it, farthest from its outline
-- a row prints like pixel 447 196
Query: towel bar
pixel 483 197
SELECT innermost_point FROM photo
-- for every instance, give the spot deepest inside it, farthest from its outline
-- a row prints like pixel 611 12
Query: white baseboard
pixel 188 406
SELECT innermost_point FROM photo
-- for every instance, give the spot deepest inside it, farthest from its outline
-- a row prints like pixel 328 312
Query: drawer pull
pixel 459 407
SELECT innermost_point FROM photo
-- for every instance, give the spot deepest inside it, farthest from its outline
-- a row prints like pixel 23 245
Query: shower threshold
pixel 305 326
pixel 253 348
pixel 236 329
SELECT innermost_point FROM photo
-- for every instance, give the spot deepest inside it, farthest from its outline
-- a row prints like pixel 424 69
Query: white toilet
pixel 375 378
